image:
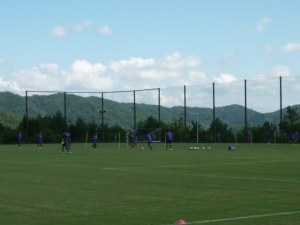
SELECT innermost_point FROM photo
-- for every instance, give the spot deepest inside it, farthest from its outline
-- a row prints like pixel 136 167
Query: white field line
pixel 201 175
pixel 242 217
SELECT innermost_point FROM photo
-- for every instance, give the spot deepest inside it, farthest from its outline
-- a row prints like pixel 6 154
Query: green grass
pixel 119 186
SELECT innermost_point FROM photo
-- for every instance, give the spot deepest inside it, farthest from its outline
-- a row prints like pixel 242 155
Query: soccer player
pixel 65 142
pixel 149 139
pixel 115 138
pixel 268 137
pixel 218 137
pixel 135 142
pixel 169 140
pixel 130 136
pixel 69 139
pixel 293 138
pixel 19 138
pixel 248 137
pixel 40 140
pixel 296 137
pixel 95 141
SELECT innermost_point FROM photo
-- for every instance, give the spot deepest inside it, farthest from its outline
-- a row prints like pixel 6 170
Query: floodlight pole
pixel 196 125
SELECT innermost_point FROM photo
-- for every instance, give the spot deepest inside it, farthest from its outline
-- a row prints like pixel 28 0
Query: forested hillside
pixel 13 108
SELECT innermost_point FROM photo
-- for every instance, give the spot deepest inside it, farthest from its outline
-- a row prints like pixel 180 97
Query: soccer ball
pixel 190 148
pixel 203 148
pixel 142 148
pixel 208 148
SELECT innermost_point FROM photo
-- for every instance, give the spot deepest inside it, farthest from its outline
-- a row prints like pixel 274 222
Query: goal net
pixel 142 132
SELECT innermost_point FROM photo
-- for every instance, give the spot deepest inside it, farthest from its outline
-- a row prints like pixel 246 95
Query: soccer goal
pixel 142 132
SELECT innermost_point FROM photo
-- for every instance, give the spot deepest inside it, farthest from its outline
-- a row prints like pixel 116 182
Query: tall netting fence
pixel 118 113
pixel 199 115
pixel 290 97
pixel 172 112
pixel 45 115
pixel 12 112
pixel 229 111
pixel 147 115
pixel 263 110
pixel 82 115
pixel 257 106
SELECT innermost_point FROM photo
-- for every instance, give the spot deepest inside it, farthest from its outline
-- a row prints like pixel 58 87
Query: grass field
pixel 256 184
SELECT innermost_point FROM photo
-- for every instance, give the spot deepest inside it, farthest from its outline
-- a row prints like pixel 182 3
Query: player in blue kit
pixel 40 140
pixel 95 141
pixel 248 137
pixel 115 138
pixel 19 138
pixel 296 137
pixel 218 137
pixel 69 139
pixel 130 137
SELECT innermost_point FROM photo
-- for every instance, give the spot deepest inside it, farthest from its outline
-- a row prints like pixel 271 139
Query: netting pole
pixel 280 86
pixel 158 89
pixel 102 116
pixel 214 113
pixel 27 116
pixel 184 96
pixel 245 87
pixel 134 111
pixel 65 109
pixel 119 139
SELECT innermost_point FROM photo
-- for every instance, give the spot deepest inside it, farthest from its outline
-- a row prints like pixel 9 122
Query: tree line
pixel 52 126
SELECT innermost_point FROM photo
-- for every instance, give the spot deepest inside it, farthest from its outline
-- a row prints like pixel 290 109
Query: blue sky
pixel 123 45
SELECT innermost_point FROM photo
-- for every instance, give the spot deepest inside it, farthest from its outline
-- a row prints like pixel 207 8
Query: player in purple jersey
pixel 135 142
pixel 69 139
pixel 40 140
pixel 95 141
pixel 218 137
pixel 149 140
pixel 169 139
pixel 248 137
pixel 292 138
pixel 130 137
pixel 19 138
pixel 296 137
pixel 64 142
pixel 268 136
pixel 115 138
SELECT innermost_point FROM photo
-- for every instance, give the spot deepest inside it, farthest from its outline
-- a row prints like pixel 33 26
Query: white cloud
pixel 173 70
pixel 290 47
pixel 106 30
pixel 228 57
pixel 281 71
pixel 224 78
pixel 2 61
pixel 262 24
pixel 80 26
pixel 58 31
